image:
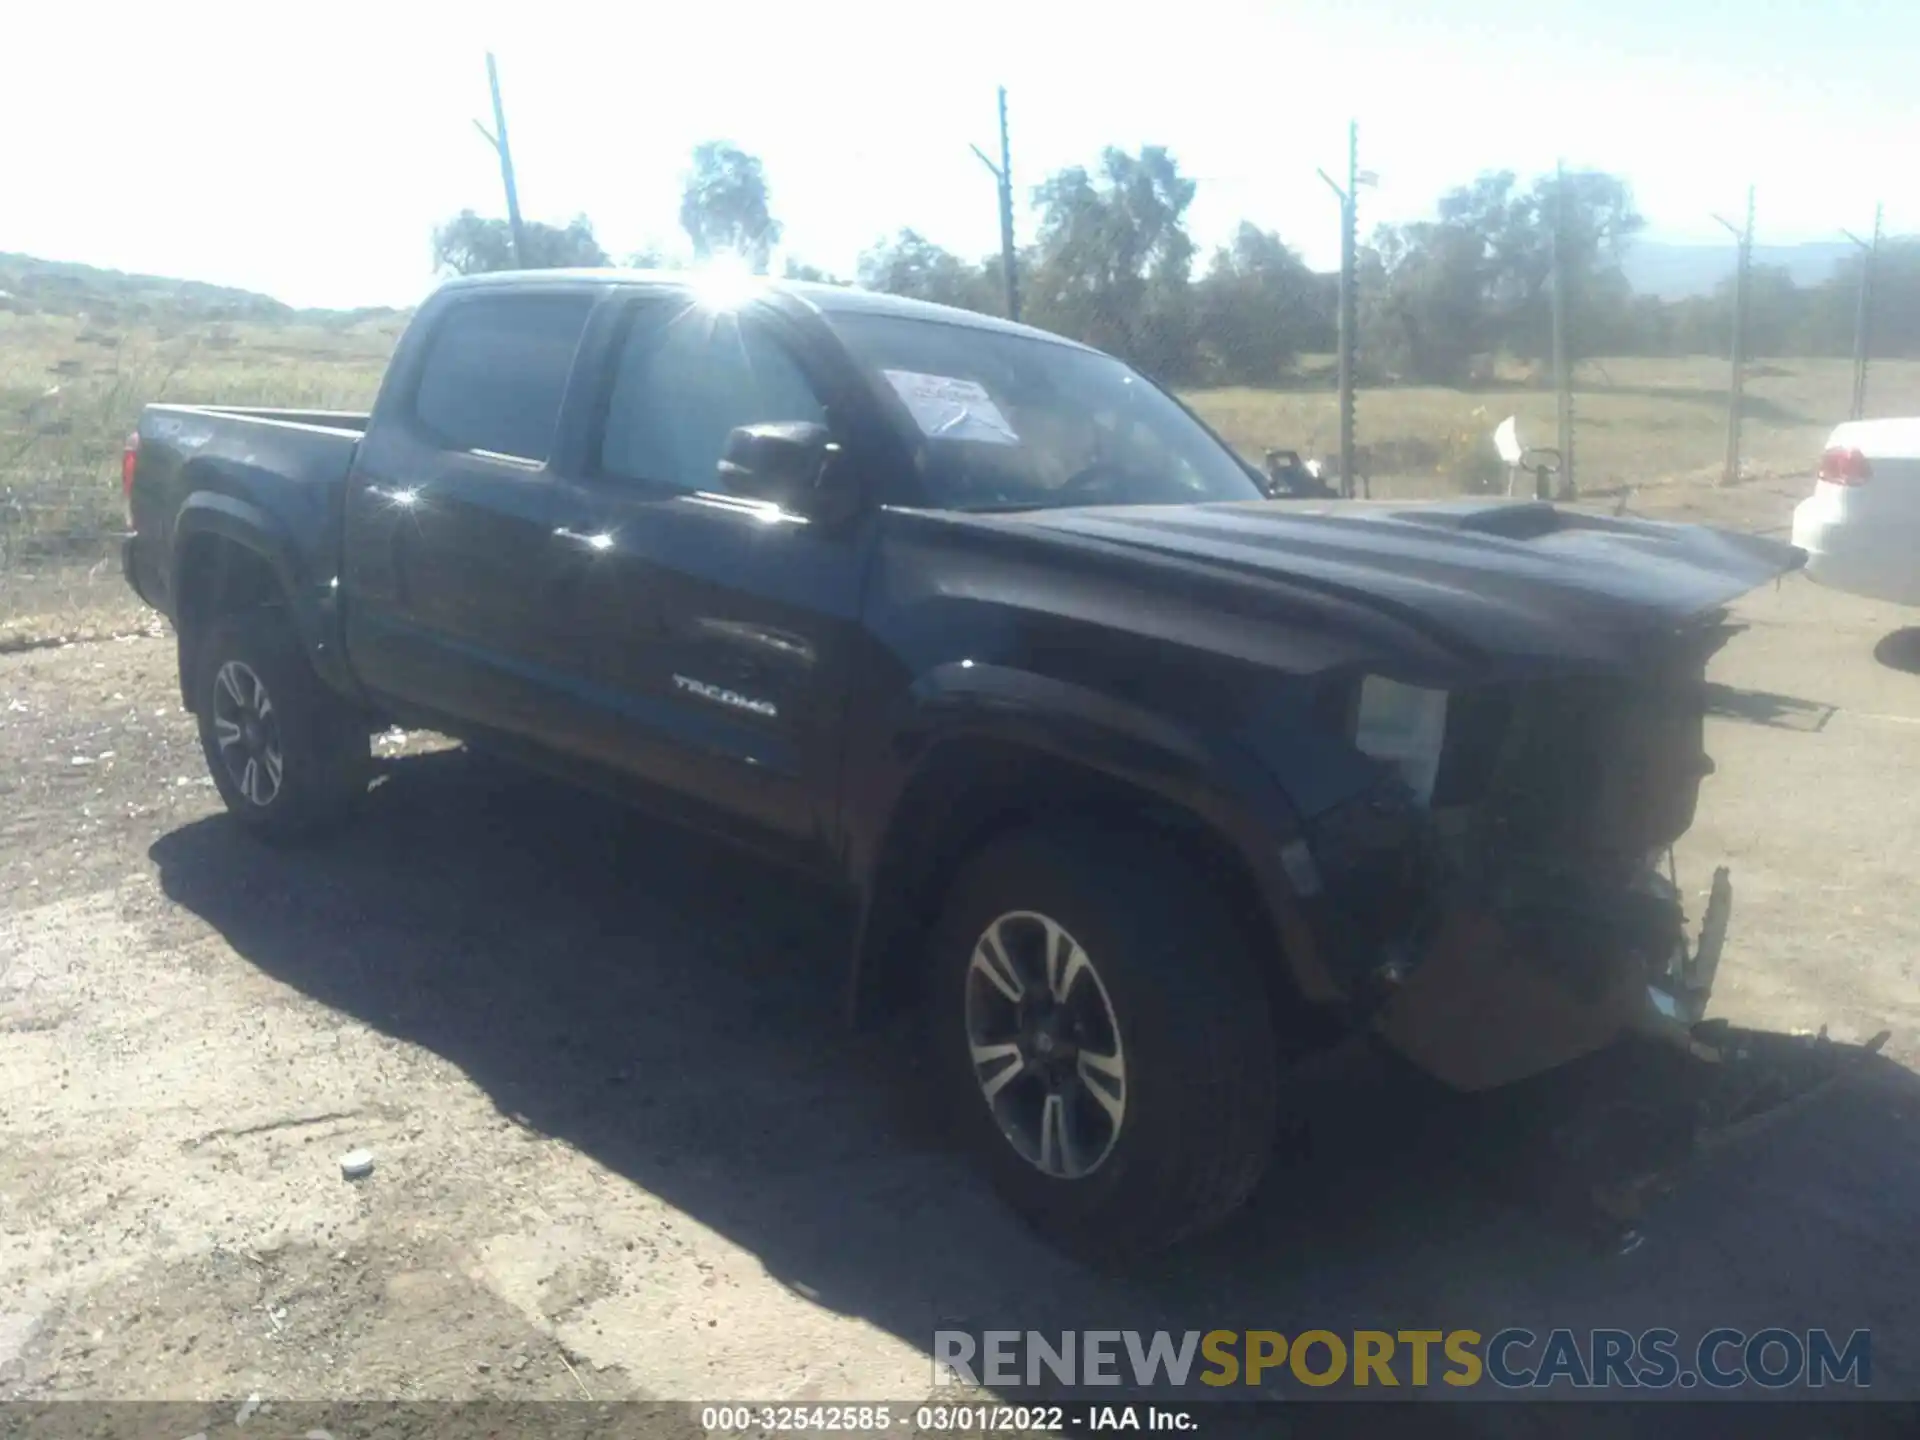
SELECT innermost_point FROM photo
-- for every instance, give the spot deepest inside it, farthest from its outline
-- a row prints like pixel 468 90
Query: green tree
pixel 1825 314
pixel 1424 311
pixel 1596 221
pixel 1895 321
pixel 910 264
pixel 1777 312
pixel 1479 276
pixel 725 208
pixel 1255 309
pixel 1648 326
pixel 1113 262
pixel 796 269
pixel 653 257
pixel 1702 324
pixel 471 244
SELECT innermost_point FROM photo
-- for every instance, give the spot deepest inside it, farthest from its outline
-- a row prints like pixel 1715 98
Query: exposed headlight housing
pixel 1404 726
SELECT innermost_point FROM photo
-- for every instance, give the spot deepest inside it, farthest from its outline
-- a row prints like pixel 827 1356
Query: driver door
pixel 706 638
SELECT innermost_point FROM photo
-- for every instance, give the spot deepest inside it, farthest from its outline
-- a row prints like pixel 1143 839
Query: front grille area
pixel 1551 795
pixel 1589 770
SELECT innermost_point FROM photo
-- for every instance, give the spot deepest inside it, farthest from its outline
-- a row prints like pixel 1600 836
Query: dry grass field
pixel 1647 424
pixel 71 387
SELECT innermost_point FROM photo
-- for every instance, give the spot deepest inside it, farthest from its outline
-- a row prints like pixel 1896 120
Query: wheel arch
pixel 229 555
pixel 1017 750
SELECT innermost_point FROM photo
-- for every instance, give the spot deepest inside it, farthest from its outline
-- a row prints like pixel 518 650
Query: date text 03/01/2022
pixel 966 1419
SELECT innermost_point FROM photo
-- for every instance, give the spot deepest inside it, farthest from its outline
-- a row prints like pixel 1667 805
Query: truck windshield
pixel 1011 422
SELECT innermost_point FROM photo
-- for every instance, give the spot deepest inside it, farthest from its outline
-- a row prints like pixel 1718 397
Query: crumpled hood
pixel 1513 579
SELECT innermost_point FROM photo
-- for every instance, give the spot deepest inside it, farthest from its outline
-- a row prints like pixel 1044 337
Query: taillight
pixel 129 459
pixel 1844 466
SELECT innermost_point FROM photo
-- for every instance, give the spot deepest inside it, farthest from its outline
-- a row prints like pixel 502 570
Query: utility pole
pixel 1349 328
pixel 1862 315
pixel 497 137
pixel 1562 374
pixel 1003 174
pixel 1736 388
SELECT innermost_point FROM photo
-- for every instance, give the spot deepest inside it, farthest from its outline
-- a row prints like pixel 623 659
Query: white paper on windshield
pixel 950 409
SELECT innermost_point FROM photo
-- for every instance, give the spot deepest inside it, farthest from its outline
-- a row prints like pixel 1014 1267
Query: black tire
pixel 1190 1017
pixel 321 743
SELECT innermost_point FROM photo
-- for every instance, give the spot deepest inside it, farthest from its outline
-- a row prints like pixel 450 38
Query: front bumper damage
pixel 1569 1010
pixel 1506 901
pixel 1511 922
pixel 1497 997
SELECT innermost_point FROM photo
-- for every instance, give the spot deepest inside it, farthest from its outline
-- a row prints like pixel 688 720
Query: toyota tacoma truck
pixel 1142 783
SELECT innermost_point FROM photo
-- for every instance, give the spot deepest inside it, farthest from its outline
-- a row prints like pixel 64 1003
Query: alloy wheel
pixel 248 733
pixel 1045 1045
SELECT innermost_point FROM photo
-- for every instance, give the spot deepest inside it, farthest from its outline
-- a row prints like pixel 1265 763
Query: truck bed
pixel 282 470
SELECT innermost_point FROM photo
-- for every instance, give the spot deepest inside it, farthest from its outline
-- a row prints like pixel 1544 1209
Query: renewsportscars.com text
pixel 1512 1359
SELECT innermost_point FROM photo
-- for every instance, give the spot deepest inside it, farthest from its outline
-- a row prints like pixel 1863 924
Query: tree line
pixel 1112 264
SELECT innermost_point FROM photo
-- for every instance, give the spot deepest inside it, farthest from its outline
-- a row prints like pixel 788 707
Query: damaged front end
pixel 1505 894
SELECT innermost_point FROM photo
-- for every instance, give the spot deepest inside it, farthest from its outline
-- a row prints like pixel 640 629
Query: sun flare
pixel 725 282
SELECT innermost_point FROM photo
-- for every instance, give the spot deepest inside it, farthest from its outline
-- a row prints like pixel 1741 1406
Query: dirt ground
pixel 624 1149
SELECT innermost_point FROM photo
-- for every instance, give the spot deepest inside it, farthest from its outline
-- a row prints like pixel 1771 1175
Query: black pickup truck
pixel 1141 781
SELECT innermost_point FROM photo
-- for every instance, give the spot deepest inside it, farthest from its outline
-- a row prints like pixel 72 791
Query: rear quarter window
pixel 496 372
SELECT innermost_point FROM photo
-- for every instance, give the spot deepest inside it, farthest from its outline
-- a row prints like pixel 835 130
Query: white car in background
pixel 1861 526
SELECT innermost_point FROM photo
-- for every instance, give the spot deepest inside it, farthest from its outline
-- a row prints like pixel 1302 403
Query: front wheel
pixel 1103 1039
pixel 289 759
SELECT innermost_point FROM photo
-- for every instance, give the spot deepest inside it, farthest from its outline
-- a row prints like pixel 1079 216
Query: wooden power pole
pixel 1349 327
pixel 1562 373
pixel 497 137
pixel 1863 314
pixel 1003 174
pixel 1736 387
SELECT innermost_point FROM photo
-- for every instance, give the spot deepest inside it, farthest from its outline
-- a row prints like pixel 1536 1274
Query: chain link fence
pixel 1649 433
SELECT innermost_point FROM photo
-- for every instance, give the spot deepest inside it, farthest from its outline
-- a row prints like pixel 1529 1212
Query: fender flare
pixel 241 522
pixel 1207 778
pixel 208 512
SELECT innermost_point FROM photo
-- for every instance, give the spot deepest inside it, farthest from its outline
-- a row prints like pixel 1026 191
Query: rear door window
pixel 496 371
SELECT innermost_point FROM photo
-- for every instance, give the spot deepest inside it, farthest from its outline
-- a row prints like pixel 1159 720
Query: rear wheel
pixel 1103 1039
pixel 289 759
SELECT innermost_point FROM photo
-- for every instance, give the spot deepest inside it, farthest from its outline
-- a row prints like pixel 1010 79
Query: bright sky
pixel 310 157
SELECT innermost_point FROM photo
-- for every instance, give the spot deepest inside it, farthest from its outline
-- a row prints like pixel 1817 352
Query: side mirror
pixel 790 463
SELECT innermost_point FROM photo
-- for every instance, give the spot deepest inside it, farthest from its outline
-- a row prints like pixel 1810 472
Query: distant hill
pixel 1671 270
pixel 1674 271
pixel 58 287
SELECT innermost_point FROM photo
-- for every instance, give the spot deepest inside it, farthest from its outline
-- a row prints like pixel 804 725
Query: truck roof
pixel 824 298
